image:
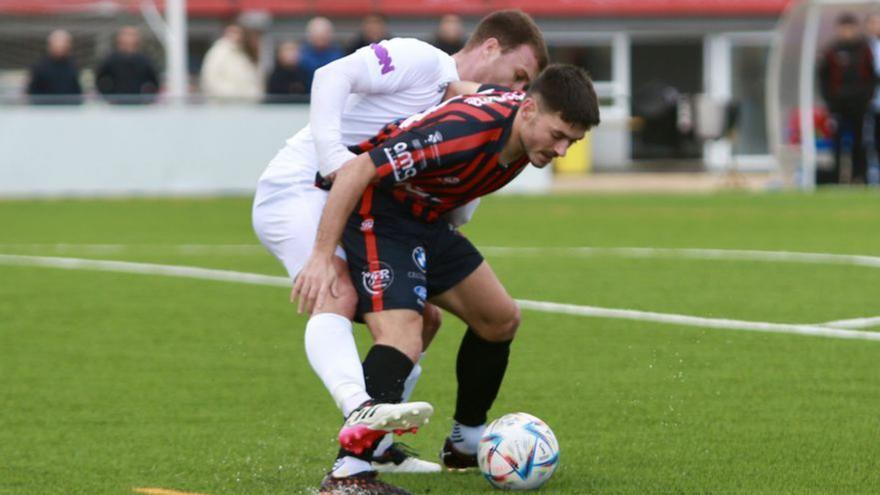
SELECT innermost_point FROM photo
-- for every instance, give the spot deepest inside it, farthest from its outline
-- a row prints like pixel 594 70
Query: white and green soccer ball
pixel 518 452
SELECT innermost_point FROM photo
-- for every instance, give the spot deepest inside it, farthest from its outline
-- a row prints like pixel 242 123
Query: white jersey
pixel 390 80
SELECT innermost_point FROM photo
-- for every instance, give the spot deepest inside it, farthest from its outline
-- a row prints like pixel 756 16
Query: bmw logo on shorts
pixel 421 292
pixel 419 258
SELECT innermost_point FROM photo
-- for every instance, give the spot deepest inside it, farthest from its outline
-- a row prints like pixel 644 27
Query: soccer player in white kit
pixel 352 99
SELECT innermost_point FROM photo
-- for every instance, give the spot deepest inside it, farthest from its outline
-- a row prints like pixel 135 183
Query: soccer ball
pixel 518 452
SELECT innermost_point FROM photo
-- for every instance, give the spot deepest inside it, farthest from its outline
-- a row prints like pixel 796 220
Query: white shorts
pixel 287 207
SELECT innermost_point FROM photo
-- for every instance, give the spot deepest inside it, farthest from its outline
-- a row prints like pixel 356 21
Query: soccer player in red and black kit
pixel 386 204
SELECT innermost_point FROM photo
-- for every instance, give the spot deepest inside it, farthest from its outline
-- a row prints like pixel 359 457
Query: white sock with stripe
pixel 466 439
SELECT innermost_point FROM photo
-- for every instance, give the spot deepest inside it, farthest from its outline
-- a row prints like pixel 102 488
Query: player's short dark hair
pixel 568 90
pixel 512 28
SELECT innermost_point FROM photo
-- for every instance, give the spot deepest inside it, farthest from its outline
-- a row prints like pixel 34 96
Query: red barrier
pixel 421 8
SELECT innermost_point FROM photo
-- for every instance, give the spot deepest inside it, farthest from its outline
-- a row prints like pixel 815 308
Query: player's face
pixel 512 68
pixel 545 135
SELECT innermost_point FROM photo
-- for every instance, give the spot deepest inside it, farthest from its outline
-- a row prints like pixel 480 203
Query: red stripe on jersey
pixel 449 110
pixel 372 249
pixel 384 170
pixel 462 144
pixel 471 110
pixel 475 180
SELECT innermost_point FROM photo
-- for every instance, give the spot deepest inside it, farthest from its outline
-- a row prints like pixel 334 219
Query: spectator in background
pixel 287 78
pixel 872 26
pixel 319 48
pixel 450 34
pixel 230 70
pixel 55 78
pixel 128 75
pixel 373 30
pixel 847 82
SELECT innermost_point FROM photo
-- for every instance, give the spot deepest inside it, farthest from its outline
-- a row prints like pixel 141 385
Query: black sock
pixel 480 369
pixel 385 371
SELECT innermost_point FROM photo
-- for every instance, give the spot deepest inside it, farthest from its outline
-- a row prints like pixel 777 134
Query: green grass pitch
pixel 112 381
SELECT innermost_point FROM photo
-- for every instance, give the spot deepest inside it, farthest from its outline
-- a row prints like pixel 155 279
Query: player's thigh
pixel 287 222
pixel 481 301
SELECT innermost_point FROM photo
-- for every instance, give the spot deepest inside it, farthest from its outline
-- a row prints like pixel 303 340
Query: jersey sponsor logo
pixel 450 180
pixel 420 258
pixel 479 101
pixel 377 281
pixel 367 225
pixel 384 58
pixel 421 292
pixel 401 161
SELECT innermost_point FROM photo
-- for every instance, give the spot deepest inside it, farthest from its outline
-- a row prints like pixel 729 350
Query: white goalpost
pixel 171 31
pixel 803 32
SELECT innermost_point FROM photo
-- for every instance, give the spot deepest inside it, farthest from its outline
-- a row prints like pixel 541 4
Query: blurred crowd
pixel 848 75
pixel 231 70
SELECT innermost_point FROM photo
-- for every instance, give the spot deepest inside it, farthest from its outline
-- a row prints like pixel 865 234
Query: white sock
pixel 408 386
pixel 332 352
pixel 349 466
pixel 466 439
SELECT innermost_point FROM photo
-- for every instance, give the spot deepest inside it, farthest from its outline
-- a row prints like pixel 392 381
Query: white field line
pixel 70 248
pixel 549 307
pixel 696 321
pixel 145 269
pixel 854 323
pixel 584 251
pixel 704 254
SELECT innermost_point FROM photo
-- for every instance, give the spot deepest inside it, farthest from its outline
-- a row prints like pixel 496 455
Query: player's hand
pixel 317 278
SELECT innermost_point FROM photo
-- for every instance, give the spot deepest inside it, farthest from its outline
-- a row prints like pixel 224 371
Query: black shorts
pixel 397 261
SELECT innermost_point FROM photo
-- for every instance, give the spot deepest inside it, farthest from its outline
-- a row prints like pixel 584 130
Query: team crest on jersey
pixel 377 281
pixel 435 137
pixel 367 225
pixel 420 258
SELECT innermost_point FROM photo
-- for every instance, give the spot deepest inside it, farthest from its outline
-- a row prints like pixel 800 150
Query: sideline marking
pixel 550 307
pixel 854 323
pixel 162 491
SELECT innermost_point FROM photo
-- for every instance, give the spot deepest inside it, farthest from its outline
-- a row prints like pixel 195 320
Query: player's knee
pixel 511 324
pixel 502 327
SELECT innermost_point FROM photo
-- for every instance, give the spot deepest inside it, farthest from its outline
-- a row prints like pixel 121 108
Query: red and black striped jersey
pixel 448 155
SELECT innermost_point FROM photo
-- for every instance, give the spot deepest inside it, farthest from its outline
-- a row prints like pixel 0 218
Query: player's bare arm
pixel 319 274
